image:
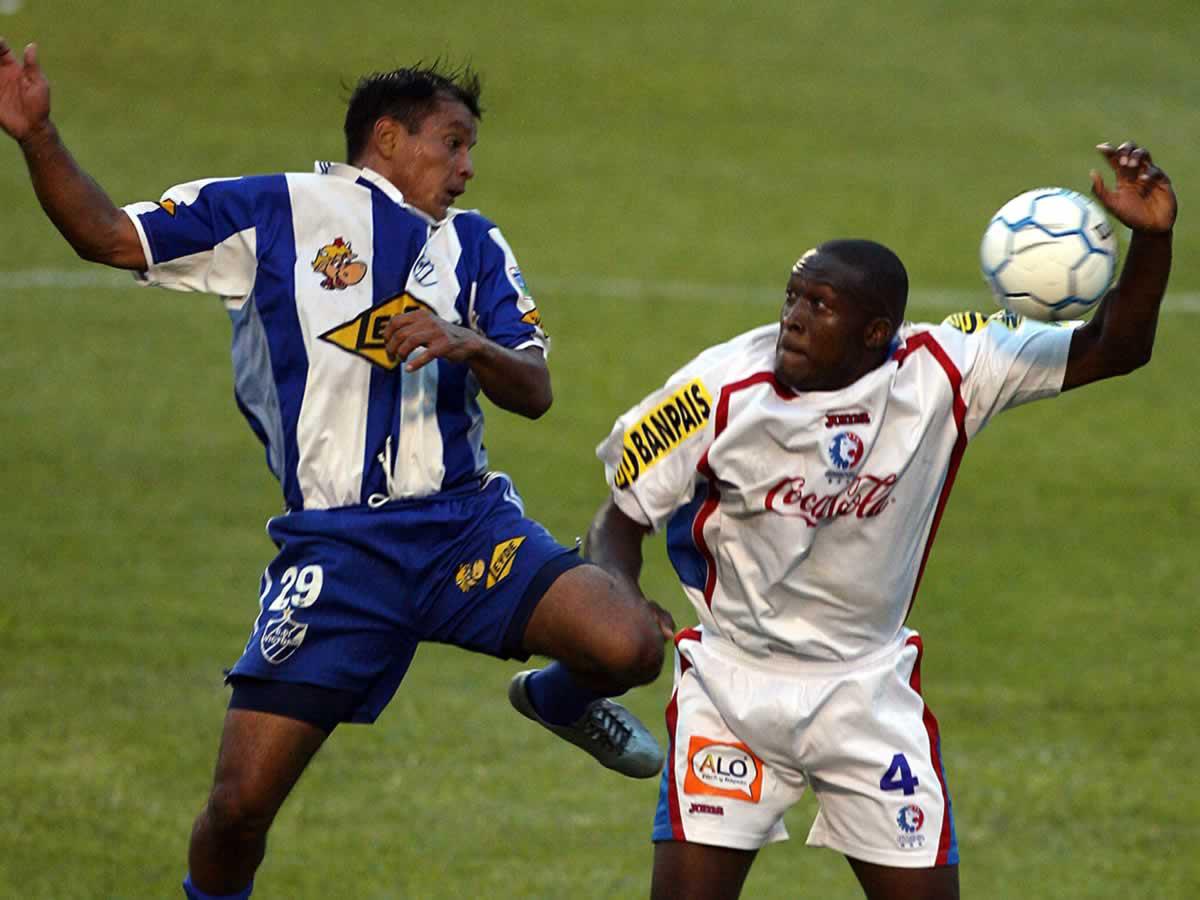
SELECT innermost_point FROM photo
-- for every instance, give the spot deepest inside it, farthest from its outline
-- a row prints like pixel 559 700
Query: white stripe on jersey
pixel 331 431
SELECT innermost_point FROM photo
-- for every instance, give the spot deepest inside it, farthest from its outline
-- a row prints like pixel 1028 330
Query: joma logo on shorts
pixel 707 809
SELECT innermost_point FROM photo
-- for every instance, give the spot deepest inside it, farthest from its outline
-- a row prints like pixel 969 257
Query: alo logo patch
pixel 281 638
pixel 723 769
pixel 363 335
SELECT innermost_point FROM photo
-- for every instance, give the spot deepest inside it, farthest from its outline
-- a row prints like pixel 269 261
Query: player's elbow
pixel 540 403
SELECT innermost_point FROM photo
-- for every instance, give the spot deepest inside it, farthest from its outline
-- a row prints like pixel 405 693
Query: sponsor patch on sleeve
pixel 662 429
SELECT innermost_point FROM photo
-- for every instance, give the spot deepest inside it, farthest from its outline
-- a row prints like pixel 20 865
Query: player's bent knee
pixel 234 811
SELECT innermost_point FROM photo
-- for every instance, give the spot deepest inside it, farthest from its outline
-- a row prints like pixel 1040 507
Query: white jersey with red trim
pixel 800 522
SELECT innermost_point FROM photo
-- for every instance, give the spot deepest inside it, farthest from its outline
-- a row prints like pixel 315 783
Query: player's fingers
pixel 424 359
pixel 31 63
pixel 1098 187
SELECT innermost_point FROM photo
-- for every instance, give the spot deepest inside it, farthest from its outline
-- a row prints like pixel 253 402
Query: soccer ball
pixel 1048 254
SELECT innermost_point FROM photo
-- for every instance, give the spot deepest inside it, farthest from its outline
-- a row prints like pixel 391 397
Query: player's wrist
pixel 40 134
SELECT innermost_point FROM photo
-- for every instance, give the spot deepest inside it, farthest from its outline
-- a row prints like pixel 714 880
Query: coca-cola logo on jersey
pixel 864 496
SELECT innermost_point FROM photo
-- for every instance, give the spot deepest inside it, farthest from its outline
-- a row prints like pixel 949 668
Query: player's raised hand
pixel 24 92
pixel 1142 198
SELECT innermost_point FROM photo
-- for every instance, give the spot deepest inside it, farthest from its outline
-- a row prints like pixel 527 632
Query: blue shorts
pixel 354 590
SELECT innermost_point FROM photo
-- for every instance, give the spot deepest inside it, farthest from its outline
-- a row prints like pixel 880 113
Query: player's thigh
pixel 686 871
pixel 589 622
pixel 893 883
pixel 261 757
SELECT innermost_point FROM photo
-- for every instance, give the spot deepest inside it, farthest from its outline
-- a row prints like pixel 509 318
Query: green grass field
pixel 657 167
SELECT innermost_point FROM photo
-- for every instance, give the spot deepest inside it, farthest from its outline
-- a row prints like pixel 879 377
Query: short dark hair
pixel 408 95
pixel 885 280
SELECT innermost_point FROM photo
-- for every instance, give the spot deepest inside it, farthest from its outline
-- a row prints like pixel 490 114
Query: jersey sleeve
pixel 1009 361
pixel 651 454
pixel 502 308
pixel 201 236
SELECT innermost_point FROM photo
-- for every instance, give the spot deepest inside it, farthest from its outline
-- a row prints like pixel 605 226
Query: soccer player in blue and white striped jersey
pixel 368 314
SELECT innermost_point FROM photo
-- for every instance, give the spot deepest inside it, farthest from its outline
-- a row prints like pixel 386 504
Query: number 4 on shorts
pixel 899 777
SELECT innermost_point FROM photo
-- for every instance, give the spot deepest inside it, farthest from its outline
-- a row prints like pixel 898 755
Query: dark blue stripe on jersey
pixel 399 237
pixel 275 299
pixel 495 297
pixel 220 209
pixel 689 565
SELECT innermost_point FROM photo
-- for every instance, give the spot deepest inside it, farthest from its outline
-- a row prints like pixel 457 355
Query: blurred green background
pixel 657 167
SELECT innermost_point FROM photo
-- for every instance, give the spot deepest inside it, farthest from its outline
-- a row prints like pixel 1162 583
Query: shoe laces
pixel 605 726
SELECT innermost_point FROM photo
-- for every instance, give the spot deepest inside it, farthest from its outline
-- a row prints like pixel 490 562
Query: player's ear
pixel 878 333
pixel 386 136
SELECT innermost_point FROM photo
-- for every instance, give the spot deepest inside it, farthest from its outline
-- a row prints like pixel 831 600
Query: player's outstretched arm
pixel 78 207
pixel 614 543
pixel 1120 337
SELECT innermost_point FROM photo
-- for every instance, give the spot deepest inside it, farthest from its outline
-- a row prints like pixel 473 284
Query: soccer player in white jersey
pixel 368 314
pixel 800 472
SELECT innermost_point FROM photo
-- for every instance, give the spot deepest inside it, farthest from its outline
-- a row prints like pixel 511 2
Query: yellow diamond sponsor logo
pixel 168 205
pixel 363 335
pixel 502 560
pixel 469 575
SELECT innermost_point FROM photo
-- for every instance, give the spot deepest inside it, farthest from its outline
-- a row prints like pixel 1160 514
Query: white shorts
pixel 747 735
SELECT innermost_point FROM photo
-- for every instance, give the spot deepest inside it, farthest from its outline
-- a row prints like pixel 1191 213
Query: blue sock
pixel 194 893
pixel 557 696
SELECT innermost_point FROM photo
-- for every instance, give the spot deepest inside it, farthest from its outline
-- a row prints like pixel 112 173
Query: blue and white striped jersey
pixel 311 267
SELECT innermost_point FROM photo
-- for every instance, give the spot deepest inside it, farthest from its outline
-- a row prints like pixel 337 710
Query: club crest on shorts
pixel 723 769
pixel 281 638
pixel 469 575
pixel 910 819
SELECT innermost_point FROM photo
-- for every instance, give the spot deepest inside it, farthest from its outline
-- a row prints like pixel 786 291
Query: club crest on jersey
pixel 502 560
pixel 281 638
pixel 662 429
pixel 469 575
pixel 363 335
pixel 723 769
pixel 843 452
pixel 339 265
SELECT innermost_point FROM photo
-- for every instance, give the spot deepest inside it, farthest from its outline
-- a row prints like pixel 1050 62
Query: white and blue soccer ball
pixel 1049 254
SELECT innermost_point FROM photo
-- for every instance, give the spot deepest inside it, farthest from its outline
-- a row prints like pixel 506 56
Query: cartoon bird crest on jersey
pixel 340 265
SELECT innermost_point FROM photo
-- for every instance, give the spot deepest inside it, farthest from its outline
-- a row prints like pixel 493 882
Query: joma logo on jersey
pixel 363 335
pixel 502 560
pixel 723 769
pixel 662 430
